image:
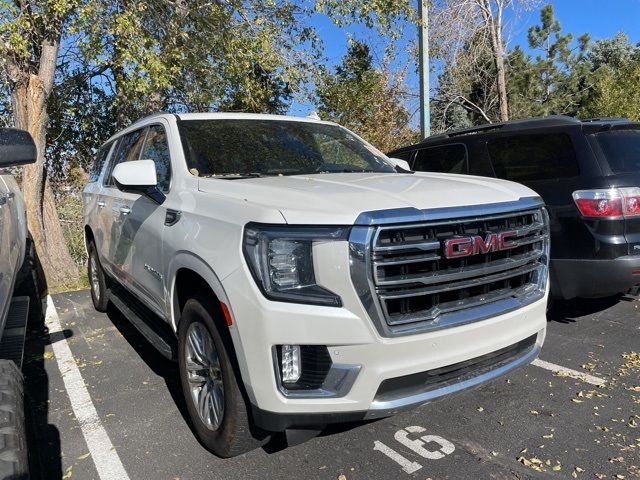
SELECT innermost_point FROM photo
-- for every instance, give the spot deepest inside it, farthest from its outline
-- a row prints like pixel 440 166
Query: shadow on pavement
pixel 43 438
pixel 567 311
pixel 160 366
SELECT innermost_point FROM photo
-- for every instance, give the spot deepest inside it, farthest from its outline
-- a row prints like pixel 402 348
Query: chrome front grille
pixel 411 286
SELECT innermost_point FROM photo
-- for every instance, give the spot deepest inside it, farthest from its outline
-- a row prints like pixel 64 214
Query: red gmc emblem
pixel 465 246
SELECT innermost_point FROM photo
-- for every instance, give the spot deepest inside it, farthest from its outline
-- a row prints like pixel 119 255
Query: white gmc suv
pixel 308 278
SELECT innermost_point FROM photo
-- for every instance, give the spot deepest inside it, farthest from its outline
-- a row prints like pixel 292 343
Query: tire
pixel 97 280
pixel 231 432
pixel 14 461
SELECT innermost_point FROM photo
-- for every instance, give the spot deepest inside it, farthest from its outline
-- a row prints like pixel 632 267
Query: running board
pixel 15 329
pixel 153 328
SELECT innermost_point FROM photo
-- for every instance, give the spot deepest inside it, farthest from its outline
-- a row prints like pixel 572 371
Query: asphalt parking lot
pixel 535 423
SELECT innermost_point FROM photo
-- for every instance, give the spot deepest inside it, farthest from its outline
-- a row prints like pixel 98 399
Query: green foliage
pixel 379 14
pixel 365 100
pixel 467 88
pixel 70 211
pixel 614 52
pixel 616 93
pixel 556 81
pixel 82 116
pixel 199 55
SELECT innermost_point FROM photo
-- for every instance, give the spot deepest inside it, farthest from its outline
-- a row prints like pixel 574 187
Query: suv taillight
pixel 609 203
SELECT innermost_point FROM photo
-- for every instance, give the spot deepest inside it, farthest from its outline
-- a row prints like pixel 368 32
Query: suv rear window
pixel 533 157
pixel 621 149
pixel 444 159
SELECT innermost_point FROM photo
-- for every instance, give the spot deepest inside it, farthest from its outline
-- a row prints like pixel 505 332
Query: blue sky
pixel 600 18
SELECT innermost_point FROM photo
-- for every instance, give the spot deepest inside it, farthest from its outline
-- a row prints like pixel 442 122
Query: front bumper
pixel 277 422
pixel 593 278
pixel 352 339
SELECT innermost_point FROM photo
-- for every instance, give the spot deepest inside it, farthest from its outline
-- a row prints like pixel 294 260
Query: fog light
pixel 290 363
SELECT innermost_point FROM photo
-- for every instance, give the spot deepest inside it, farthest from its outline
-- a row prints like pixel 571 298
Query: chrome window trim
pixel 361 244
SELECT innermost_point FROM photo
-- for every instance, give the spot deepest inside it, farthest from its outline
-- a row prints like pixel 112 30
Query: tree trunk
pixel 29 99
pixel 494 25
pixel 498 56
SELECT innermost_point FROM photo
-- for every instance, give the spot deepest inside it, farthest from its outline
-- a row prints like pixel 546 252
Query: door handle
pixel 101 204
pixel 125 210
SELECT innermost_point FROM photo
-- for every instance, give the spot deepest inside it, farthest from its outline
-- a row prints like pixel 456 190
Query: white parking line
pixel 585 377
pixel 103 453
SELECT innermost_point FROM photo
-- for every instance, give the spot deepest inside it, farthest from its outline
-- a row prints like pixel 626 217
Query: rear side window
pixel 444 159
pixel 98 163
pixel 128 149
pixel 533 157
pixel 621 149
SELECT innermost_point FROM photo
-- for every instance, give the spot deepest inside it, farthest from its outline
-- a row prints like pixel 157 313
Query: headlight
pixel 280 258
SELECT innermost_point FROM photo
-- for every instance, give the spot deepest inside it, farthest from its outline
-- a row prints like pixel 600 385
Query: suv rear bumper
pixel 593 278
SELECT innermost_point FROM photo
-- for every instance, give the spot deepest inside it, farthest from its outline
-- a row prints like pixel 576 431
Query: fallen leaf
pixel 68 473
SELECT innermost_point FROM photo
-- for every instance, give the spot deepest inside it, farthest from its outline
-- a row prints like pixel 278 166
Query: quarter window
pixel 533 157
pixel 622 149
pixel 156 148
pixel 444 159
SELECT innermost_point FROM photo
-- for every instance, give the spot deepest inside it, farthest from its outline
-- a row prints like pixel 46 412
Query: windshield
pixel 622 149
pixel 274 147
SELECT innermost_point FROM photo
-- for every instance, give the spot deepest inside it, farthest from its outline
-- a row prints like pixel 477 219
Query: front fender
pixel 189 260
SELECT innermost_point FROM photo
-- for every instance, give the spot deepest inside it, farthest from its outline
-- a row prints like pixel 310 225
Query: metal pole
pixel 423 40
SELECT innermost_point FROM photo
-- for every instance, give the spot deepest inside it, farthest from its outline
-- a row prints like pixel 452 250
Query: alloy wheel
pixel 204 375
pixel 95 279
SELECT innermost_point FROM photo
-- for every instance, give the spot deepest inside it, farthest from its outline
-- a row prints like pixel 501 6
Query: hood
pixel 338 198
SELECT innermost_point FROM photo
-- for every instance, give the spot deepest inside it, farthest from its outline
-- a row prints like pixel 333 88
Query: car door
pixel 115 207
pixel 95 199
pixel 6 261
pixel 149 219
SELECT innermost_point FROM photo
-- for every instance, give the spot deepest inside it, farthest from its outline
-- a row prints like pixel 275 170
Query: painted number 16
pixel 419 446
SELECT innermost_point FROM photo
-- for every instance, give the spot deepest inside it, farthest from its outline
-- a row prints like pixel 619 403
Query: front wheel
pixel 97 280
pixel 210 383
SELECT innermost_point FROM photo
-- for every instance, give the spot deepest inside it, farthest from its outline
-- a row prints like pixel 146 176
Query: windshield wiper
pixel 237 176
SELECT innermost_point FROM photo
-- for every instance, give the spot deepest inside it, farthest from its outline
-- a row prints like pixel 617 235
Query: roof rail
pixel 511 125
pixel 151 115
pixel 605 119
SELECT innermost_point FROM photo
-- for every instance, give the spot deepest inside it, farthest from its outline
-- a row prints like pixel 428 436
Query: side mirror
pixel 401 165
pixel 16 147
pixel 138 176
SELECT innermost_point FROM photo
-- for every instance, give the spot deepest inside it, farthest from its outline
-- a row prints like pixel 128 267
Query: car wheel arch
pixel 185 266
